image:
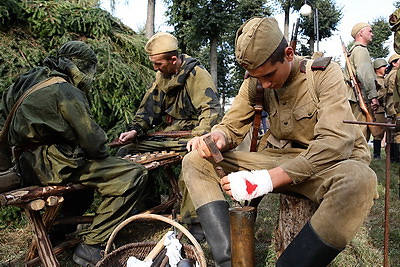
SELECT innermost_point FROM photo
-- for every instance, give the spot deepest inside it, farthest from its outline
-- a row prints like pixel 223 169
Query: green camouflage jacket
pixel 55 123
pixel 189 98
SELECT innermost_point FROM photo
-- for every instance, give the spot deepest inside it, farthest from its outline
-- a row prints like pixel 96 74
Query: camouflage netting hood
pixel 78 61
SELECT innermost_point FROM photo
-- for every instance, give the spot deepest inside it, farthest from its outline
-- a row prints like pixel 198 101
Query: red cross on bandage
pixel 250 187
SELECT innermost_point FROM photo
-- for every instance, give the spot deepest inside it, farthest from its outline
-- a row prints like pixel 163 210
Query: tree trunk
pixel 294 213
pixel 151 10
pixel 214 60
pixel 286 24
pixel 312 42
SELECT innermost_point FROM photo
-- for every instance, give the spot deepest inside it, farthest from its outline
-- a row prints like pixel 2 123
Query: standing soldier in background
pixel 183 97
pixel 390 85
pixel 380 65
pixel 360 63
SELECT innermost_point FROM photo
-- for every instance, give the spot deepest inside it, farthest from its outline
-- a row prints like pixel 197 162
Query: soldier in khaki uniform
pixel 361 65
pixel 394 21
pixel 308 150
pixel 182 97
pixel 380 65
pixel 390 85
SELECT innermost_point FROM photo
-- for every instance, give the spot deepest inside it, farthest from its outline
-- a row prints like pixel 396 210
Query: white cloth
pixel 134 262
pixel 173 248
pixel 247 185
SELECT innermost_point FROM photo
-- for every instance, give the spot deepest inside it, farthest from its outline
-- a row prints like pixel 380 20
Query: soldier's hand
pixel 246 185
pixel 127 137
pixel 374 104
pixel 197 143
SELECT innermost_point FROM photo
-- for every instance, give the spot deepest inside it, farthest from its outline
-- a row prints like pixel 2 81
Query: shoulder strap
pixel 44 83
pixel 310 81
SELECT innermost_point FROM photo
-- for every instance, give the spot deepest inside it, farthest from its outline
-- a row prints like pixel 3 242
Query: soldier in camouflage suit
pixel 60 143
pixel 182 97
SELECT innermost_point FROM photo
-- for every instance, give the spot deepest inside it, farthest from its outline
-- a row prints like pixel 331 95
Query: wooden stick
pixel 157 249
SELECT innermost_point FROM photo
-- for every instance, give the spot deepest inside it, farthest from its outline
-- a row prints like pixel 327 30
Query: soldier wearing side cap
pixel 308 150
pixel 360 63
pixel 182 97
pixel 390 85
pixel 380 65
pixel 59 143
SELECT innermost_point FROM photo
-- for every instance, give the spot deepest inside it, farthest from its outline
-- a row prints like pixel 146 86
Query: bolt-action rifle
pixel 375 130
pixel 293 39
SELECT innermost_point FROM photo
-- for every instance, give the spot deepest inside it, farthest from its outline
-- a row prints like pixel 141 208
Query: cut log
pixel 26 194
pixel 294 213
pixel 36 204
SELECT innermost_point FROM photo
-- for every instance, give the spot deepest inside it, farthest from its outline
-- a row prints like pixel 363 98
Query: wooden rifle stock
pixel 375 130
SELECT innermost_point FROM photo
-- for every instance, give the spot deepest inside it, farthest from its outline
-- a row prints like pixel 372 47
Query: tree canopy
pixel 381 30
pixel 32 29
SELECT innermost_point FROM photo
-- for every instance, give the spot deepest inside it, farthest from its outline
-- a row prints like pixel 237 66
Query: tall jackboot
pixel 214 219
pixel 394 152
pixel 377 149
pixel 307 250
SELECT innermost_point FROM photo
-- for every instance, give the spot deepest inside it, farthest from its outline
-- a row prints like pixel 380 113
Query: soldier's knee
pixel 361 180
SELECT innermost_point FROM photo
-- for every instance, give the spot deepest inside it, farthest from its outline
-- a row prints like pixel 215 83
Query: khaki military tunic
pixel 380 113
pixel 60 143
pixel 360 62
pixel 326 159
pixel 390 85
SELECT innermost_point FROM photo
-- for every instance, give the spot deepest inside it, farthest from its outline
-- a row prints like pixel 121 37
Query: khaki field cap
pixel 379 62
pixel 393 57
pixel 161 42
pixel 358 28
pixel 256 40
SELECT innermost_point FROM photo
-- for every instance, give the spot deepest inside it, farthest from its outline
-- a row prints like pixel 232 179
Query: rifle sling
pixel 257 116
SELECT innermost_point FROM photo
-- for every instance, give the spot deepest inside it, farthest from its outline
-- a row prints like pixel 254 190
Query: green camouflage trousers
pixel 119 182
pixel 187 211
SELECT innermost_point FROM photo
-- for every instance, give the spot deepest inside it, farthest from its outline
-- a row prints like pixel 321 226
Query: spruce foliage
pixel 32 29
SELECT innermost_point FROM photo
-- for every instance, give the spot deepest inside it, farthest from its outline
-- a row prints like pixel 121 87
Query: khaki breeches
pixel 344 191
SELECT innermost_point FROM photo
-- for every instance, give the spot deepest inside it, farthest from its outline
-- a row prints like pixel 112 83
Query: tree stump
pixel 294 213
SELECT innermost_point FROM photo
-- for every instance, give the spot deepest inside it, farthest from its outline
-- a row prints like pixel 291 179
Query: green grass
pixel 365 250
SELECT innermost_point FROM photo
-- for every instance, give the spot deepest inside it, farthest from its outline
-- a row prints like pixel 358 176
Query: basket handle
pixel 197 246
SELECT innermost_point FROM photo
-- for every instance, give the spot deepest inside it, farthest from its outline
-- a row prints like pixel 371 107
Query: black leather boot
pixel 377 149
pixel 87 255
pixel 197 232
pixel 394 153
pixel 214 219
pixel 307 250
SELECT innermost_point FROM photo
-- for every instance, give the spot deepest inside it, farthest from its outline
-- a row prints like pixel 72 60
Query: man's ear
pixel 174 59
pixel 289 53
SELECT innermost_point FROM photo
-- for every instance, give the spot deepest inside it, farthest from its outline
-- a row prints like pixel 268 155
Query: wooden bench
pixel 42 205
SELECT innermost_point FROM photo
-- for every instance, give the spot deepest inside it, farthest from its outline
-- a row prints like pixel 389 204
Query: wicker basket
pixel 140 250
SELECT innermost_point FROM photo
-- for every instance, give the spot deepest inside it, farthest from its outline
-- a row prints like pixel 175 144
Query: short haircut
pixel 170 54
pixel 279 54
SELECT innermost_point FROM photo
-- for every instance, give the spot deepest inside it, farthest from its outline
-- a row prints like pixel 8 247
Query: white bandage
pixel 247 185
